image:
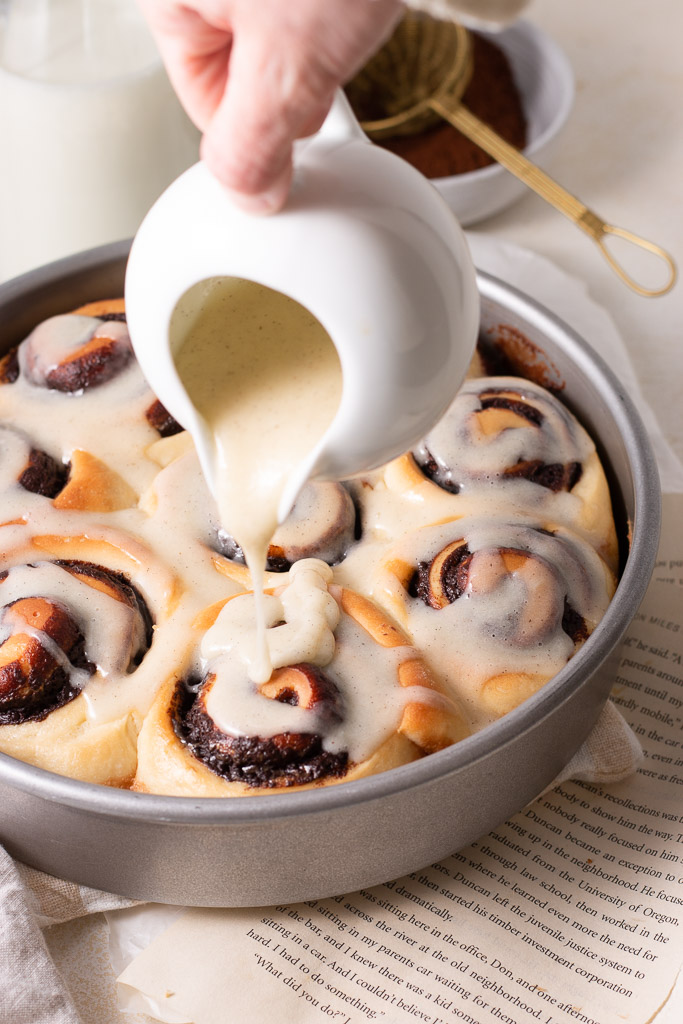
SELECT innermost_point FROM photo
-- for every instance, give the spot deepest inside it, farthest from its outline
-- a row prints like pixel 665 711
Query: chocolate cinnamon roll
pixel 44 660
pixel 73 634
pixel 71 353
pixel 507 441
pixel 345 695
pixel 109 310
pixel 498 607
pixel 79 395
pixel 323 524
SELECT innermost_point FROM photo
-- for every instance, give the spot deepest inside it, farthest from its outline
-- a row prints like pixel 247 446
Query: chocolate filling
pixel 160 418
pixel 573 624
pixel 9 367
pixel 553 476
pixel 453 577
pixel 286 759
pixel 491 400
pixel 229 548
pixel 436 473
pixel 43 474
pixel 505 351
pixel 94 367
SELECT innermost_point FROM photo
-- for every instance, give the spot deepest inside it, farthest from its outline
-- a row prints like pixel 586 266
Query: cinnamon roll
pixel 114 310
pixel 74 637
pixel 322 524
pixel 508 442
pixel 345 695
pixel 74 386
pixel 72 352
pixel 497 607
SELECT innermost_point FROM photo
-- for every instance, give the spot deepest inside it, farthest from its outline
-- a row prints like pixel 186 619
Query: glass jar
pixel 91 130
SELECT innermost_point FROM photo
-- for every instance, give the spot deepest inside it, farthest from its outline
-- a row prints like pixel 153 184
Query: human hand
pixel 254 75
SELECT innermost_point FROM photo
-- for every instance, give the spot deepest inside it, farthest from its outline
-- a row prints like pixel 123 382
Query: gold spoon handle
pixel 515 162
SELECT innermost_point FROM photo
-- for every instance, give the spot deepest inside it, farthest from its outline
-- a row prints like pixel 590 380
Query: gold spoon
pixel 420 75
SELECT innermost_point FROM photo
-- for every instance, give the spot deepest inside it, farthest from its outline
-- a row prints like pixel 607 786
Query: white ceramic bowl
pixel 545 80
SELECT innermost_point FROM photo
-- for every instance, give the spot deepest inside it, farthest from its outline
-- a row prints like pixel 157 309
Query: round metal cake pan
pixel 256 851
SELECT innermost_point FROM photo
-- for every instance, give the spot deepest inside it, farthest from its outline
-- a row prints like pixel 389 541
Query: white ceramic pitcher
pixel 368 246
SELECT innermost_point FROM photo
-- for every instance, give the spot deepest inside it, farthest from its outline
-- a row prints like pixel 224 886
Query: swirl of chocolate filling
pixel 286 759
pixel 446 577
pixel 42 646
pixel 486 412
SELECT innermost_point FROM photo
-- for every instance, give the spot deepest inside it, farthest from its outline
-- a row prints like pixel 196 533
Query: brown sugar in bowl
pixel 543 81
pixel 491 95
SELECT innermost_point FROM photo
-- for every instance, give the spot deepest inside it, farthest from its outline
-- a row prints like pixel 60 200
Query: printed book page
pixel 568 912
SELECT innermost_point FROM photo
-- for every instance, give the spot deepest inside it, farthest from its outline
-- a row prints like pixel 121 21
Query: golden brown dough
pixel 102 307
pixel 93 487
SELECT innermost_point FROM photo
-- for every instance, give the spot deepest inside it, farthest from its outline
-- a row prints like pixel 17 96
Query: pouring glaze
pixel 367 246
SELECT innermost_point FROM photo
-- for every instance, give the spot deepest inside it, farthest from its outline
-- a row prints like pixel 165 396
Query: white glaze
pixel 314 631
pixel 266 378
pixel 472 458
